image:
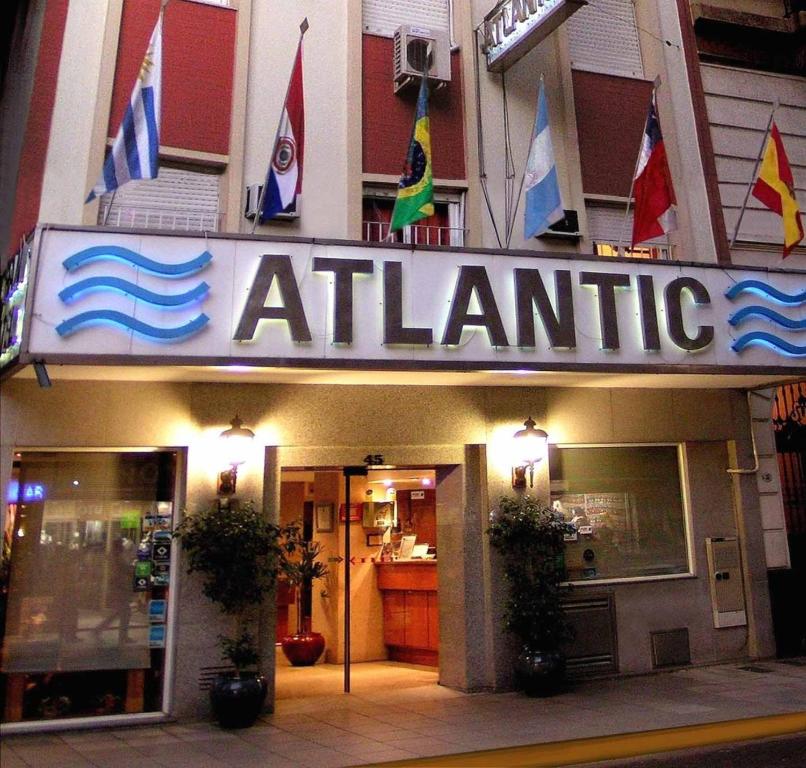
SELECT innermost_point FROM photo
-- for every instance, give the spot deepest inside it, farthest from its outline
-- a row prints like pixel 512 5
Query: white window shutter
pixel 176 199
pixel 607 224
pixel 382 17
pixel 603 37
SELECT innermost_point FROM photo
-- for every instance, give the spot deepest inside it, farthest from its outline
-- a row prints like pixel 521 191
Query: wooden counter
pixel 410 610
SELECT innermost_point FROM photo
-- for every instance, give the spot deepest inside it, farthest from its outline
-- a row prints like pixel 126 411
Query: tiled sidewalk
pixel 413 717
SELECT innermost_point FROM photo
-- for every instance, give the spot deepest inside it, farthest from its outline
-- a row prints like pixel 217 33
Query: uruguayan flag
pixel 543 204
pixel 135 153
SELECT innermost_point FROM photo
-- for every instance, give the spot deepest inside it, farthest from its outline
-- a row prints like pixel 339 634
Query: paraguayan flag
pixel 543 203
pixel 135 152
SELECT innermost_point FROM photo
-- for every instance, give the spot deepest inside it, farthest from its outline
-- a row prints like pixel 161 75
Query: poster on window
pixel 157 611
pixel 142 575
pixel 161 547
pixel 156 636
pixel 589 513
pixel 161 575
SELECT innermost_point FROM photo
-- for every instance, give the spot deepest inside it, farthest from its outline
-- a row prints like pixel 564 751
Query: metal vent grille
pixel 670 648
pixel 594 650
pixel 208 674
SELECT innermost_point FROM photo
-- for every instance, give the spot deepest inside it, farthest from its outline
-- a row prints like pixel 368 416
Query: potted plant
pixel 301 569
pixel 239 556
pixel 529 538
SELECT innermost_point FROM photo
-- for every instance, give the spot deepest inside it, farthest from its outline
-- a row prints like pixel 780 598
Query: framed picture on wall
pixel 323 515
pixel 378 514
pixel 356 512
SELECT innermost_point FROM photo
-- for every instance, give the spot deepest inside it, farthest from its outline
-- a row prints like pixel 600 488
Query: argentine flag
pixel 135 152
pixel 543 204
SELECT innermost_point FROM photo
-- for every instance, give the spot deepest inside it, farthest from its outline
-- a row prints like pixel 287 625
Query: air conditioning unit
pixel 416 46
pixel 568 226
pixel 253 200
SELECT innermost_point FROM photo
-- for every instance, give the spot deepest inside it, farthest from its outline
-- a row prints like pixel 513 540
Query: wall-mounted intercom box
pixel 725 576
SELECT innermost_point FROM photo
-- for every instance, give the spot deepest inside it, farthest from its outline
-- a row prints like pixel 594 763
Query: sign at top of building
pixel 114 298
pixel 514 27
pixel 13 289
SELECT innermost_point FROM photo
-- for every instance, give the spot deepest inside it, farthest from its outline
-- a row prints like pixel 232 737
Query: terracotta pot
pixel 303 649
pixel 540 673
pixel 237 701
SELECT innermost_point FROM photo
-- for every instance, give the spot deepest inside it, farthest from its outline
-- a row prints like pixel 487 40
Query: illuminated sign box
pixel 514 27
pixel 103 298
pixel 13 291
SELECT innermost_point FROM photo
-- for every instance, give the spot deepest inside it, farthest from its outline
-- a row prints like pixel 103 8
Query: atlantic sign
pixel 514 27
pixel 217 300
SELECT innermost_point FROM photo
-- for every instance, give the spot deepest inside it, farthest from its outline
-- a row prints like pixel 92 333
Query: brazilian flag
pixel 415 192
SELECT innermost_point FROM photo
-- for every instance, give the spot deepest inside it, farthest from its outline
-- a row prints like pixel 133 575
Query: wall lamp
pixel 530 448
pixel 236 442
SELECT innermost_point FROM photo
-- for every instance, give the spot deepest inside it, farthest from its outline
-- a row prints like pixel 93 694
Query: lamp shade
pixel 530 444
pixel 236 442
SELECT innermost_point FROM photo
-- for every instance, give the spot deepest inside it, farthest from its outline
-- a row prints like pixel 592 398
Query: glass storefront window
pixel 626 505
pixel 86 574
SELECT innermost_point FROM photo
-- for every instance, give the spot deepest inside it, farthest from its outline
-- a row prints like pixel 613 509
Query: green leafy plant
pixel 240 556
pixel 242 651
pixel 301 568
pixel 529 537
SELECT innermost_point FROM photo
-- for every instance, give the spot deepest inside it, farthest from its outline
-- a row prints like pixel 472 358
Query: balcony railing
pixel 662 252
pixel 154 218
pixel 415 234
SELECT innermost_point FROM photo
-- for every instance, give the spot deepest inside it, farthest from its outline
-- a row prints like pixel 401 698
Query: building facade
pixel 418 353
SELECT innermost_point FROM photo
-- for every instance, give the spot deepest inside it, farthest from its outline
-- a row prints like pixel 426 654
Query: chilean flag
pixel 284 179
pixel 654 196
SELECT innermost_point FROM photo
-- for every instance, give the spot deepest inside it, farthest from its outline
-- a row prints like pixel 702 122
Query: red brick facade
pixel 37 132
pixel 609 136
pixel 388 118
pixel 198 51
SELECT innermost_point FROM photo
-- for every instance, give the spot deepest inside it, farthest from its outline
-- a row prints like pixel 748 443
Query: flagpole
pixel 390 234
pixel 655 86
pixel 423 83
pixel 303 28
pixel 109 207
pixel 775 104
pixel 152 161
pixel 511 226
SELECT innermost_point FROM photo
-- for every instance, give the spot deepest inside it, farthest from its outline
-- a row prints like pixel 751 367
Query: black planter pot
pixel 539 673
pixel 237 701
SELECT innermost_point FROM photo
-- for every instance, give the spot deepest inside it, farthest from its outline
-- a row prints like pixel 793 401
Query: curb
pixel 625 745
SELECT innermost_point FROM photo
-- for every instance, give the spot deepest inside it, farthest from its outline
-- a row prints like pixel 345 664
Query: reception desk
pixel 410 610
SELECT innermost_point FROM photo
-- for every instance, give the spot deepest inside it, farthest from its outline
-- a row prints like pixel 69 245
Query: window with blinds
pixel 611 232
pixel 603 37
pixel 380 17
pixel 177 199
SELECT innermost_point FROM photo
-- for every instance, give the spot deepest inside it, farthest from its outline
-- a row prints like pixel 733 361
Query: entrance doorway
pixel 788 586
pixel 393 600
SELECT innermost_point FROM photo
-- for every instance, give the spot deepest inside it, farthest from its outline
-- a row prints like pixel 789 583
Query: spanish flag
pixel 775 187
pixel 415 192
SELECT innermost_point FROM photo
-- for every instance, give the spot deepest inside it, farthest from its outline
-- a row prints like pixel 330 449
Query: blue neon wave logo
pixel 768 292
pixel 111 284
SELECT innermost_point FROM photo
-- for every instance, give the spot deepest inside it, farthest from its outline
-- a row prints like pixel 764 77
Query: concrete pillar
pixel 461 520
